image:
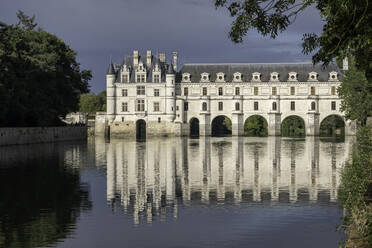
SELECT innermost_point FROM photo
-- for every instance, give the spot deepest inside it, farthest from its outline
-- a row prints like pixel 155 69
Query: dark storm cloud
pixel 97 29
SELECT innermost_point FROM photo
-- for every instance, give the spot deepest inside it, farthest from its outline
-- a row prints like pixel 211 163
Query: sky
pixel 100 29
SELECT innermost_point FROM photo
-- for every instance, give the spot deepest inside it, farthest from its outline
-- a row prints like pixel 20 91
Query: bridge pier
pixel 274 123
pixel 237 124
pixel 312 125
pixel 205 125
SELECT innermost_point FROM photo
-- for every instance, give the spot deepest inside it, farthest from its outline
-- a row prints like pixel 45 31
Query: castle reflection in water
pixel 154 178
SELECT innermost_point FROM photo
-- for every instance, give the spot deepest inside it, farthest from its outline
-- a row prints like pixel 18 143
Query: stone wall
pixel 32 135
pixel 127 129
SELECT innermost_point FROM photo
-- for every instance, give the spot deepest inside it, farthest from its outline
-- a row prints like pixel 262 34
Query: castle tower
pixel 170 96
pixel 110 89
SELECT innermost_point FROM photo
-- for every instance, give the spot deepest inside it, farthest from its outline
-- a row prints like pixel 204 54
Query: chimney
pixel 135 58
pixel 148 58
pixel 175 60
pixel 345 64
pixel 162 57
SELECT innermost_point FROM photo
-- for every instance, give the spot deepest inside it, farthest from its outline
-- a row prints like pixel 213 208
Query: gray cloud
pixel 97 29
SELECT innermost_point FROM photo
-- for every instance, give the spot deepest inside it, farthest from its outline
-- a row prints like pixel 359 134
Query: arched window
pixel 204 106
pixel 274 105
pixel 313 106
pixel 237 106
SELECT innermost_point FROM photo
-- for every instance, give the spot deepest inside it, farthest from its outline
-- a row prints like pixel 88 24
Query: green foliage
pixel 293 126
pixel 255 126
pixel 40 79
pixel 356 94
pixel 221 126
pixel 355 191
pixel 331 126
pixel 91 103
pixel 346 30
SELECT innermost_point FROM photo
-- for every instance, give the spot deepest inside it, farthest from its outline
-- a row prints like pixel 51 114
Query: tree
pixel 255 126
pixel 347 29
pixel 40 79
pixel 91 103
pixel 356 94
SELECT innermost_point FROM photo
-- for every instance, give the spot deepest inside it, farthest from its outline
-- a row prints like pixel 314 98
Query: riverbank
pixel 33 135
pixel 355 192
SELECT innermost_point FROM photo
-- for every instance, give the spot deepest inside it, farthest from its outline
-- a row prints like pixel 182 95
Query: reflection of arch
pixel 141 130
pixel 221 126
pixel 255 125
pixel 332 125
pixel 194 127
pixel 293 126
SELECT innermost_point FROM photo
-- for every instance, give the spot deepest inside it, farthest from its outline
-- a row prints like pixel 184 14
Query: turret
pixel 110 89
pixel 171 92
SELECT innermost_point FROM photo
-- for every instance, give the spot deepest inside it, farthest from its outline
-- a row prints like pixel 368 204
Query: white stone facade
pixel 167 100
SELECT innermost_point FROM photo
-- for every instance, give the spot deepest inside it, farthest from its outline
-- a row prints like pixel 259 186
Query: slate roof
pixel 128 61
pixel 302 70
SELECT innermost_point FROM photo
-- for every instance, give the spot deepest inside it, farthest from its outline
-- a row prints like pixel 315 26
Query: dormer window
pixel 186 77
pixel 205 77
pixel 256 76
pixel 333 76
pixel 140 68
pixel 237 77
pixel 313 76
pixel 292 76
pixel 220 77
pixel 274 76
pixel 124 78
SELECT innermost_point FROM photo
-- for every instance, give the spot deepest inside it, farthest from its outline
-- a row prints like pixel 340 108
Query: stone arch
pixel 332 126
pixel 255 125
pixel 141 130
pixel 221 126
pixel 194 127
pixel 293 126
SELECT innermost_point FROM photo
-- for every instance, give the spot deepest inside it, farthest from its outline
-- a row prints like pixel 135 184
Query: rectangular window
pixel 124 92
pixel 333 105
pixel 140 78
pixel 237 106
pixel 186 106
pixel 293 91
pixel 293 106
pixel 205 92
pixel 220 106
pixel 124 107
pixel 124 79
pixel 140 105
pixel 156 107
pixel 273 91
pixel 312 91
pixel 156 92
pixel 156 78
pixel 141 90
pixel 255 89
pixel 220 91
pixel 185 91
pixel 159 119
pixel 255 105
pixel 177 108
pixel 237 91
pixel 333 90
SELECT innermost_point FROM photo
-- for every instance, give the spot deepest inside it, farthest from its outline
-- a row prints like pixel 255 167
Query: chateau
pixel 148 96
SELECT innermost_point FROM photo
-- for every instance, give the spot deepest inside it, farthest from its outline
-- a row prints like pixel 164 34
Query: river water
pixel 173 192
